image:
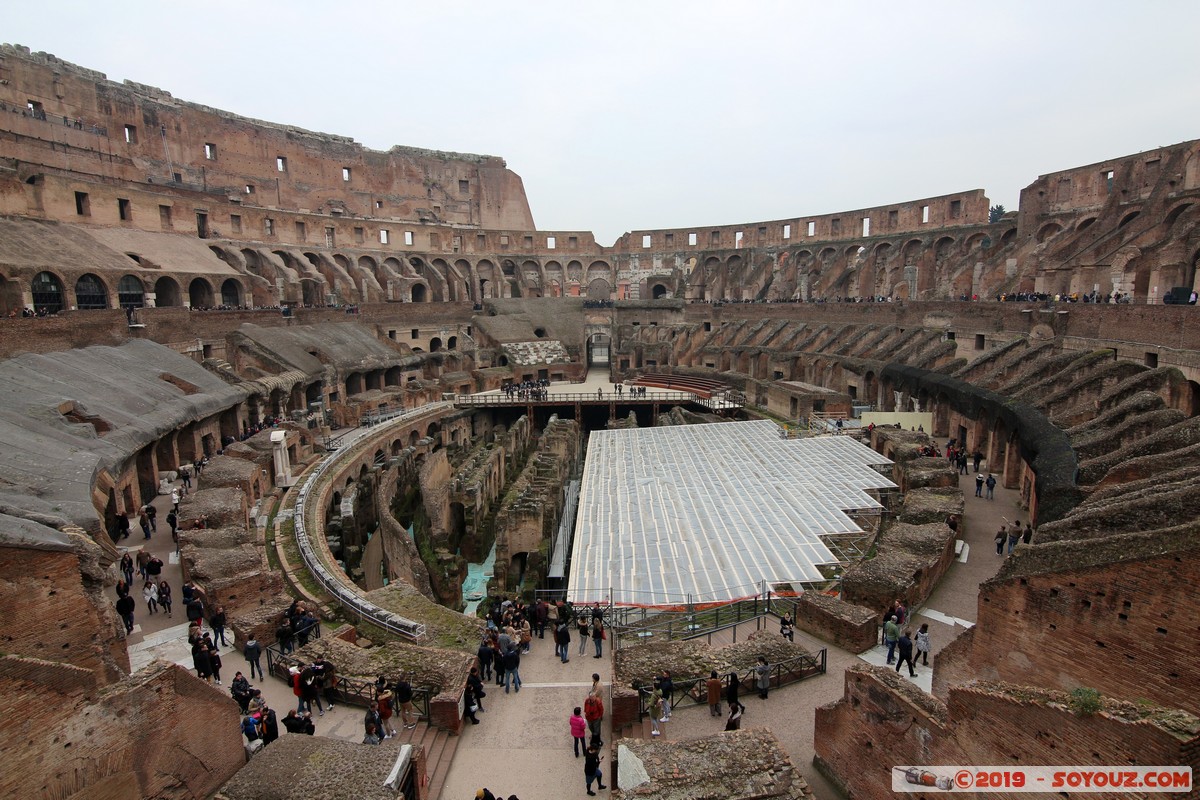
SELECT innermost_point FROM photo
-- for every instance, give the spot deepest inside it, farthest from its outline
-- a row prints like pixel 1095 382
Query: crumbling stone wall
pixel 401 556
pixel 1121 611
pixel 529 515
pixel 52 587
pixel 161 733
pixel 883 720
pixel 832 619
pixel 736 765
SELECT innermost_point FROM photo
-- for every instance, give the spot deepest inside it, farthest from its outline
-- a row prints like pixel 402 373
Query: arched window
pixel 90 293
pixel 130 293
pixel 47 293
pixel 231 293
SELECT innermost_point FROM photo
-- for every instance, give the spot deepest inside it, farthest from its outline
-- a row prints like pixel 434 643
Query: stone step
pixel 439 769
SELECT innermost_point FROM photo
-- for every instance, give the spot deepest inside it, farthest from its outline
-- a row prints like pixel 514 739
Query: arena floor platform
pixel 707 513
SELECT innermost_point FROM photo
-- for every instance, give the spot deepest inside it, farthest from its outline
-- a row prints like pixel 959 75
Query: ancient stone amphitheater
pixel 173 277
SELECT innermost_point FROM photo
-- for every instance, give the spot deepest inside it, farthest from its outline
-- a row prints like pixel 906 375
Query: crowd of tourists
pixel 527 390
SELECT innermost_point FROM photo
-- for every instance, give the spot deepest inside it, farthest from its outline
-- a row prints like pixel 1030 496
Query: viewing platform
pixel 720 401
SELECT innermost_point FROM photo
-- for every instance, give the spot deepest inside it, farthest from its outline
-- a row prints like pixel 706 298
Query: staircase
pixel 439 751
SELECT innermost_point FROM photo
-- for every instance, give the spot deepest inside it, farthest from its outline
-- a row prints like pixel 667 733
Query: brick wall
pixel 882 721
pixel 849 626
pixel 161 733
pixel 67 331
pixel 1126 628
pixel 50 615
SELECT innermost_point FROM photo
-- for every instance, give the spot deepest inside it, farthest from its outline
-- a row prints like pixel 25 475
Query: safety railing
pixel 694 691
pixel 353 691
pixel 632 626
pixel 344 593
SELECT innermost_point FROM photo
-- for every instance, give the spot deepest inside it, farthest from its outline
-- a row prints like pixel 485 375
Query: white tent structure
pixel 707 513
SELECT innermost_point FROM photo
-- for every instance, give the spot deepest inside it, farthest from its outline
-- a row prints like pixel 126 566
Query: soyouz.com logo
pixel 1041 779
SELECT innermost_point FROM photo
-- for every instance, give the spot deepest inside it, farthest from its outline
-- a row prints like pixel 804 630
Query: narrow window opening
pixel 464 187
pixel 164 216
pixel 130 134
pixel 812 229
pixel 645 241
pixel 924 213
pixel 692 239
pixel 235 222
pixel 956 209
pixel 408 237
pixel 550 243
pixel 737 239
pixel 269 226
pixel 280 164
pixel 359 235
pixel 384 236
pixel 210 151
pixel 82 206
pixel 330 237
pixel 249 188
pixel 866 226
pixel 345 173
pixel 980 340
pixel 301 232
pixel 124 209
pixel 1152 360
pixel 715 237
pixel 787 231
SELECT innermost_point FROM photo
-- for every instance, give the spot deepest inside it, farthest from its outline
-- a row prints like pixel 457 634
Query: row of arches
pixel 50 293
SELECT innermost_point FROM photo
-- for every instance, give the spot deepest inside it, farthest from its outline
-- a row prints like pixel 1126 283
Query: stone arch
pixel 200 293
pixel 48 294
pixel 131 292
pixel 485 275
pixel 599 269
pixel 1047 230
pixel 231 292
pixel 1008 237
pixel 435 344
pixel 1085 223
pixel 167 293
pixel 354 383
pixel 90 293
pixel 599 289
pixel 312 292
pixel 420 293
pixel 1175 213
pixel 658 291
pixel 1128 218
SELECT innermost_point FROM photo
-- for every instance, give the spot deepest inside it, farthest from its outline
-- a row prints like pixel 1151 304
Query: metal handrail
pixel 558 398
pixel 695 690
pixel 346 594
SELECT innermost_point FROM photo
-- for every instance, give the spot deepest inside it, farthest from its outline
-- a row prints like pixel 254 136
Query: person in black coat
pixel 591 769
pixel 485 659
pixel 125 606
pixel 270 726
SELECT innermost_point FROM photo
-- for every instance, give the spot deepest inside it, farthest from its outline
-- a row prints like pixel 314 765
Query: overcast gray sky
pixel 632 115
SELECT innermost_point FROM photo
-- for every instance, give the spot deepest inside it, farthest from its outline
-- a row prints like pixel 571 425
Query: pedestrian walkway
pixel 523 744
